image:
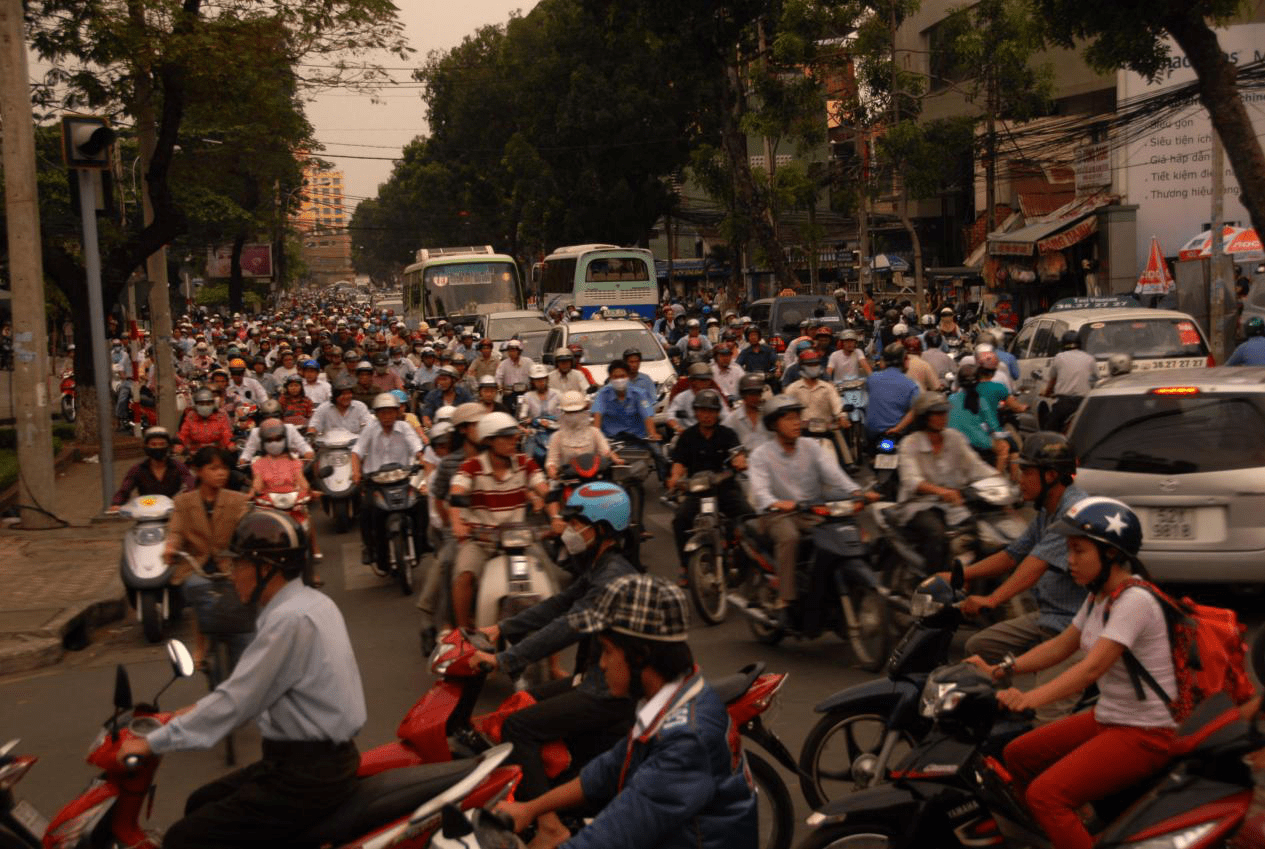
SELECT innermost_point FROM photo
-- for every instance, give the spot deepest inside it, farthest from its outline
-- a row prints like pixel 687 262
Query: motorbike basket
pixel 227 614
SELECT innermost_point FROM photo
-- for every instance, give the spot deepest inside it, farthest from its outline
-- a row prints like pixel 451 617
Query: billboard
pixel 1167 171
pixel 256 260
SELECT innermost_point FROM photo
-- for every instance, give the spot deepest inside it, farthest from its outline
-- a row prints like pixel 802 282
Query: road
pixel 57 712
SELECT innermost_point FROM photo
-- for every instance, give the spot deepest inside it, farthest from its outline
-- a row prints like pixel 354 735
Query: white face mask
pixel 205 410
pixel 275 447
pixel 620 383
pixel 578 418
pixel 811 371
pixel 574 541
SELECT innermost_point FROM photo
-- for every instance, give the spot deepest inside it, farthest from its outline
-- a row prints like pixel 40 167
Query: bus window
pixel 609 269
pixel 558 277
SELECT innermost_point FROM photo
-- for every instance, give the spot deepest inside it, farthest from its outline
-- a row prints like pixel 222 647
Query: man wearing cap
pixel 724 373
pixel 427 367
pixel 381 443
pixel 243 388
pixel 679 780
pixel 445 393
pixel 486 360
pixel 514 368
pixel 341 411
pixel 693 335
pixel 564 377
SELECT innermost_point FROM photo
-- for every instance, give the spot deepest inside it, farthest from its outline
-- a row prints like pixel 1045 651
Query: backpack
pixel 1208 653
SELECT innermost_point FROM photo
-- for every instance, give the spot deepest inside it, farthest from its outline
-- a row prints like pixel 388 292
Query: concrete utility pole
pixel 31 407
pixel 1216 281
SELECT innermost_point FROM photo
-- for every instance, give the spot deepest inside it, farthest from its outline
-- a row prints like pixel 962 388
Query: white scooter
pixel 339 491
pixel 146 575
pixel 514 579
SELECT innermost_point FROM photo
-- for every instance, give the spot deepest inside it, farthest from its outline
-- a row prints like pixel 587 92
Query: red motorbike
pixel 441 726
pixel 68 395
pixel 399 808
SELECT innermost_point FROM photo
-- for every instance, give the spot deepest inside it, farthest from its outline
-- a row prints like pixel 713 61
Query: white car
pixel 604 340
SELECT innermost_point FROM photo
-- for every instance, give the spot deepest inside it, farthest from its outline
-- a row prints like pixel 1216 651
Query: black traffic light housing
pixel 86 141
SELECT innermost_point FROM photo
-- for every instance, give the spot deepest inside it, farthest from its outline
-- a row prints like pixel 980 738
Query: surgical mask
pixel 397 360
pixel 574 541
pixel 158 453
pixel 205 410
pixel 811 371
pixel 274 446
pixel 620 383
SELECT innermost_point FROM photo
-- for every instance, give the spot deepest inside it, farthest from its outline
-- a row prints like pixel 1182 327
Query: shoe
pixel 785 616
pixel 428 638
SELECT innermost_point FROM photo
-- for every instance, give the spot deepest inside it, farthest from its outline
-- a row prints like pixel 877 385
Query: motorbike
pixel 145 573
pixel 394 495
pixel 339 492
pixel 952 790
pixel 710 566
pixel 539 431
pixel 397 808
pixel 855 399
pixel 837 589
pixel 68 395
pixel 441 726
pixel 886 451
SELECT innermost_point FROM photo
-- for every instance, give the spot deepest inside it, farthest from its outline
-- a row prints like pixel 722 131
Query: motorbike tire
pixel 68 408
pixel 219 666
pixel 341 508
pixel 850 835
pixel 151 615
pixel 403 563
pixel 760 594
pixel 777 823
pixel 816 755
pixel 871 642
pixel 706 575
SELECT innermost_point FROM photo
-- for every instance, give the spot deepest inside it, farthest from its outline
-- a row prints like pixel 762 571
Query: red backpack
pixel 1208 653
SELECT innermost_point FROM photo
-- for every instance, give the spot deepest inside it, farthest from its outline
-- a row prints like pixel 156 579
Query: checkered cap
pixel 638 605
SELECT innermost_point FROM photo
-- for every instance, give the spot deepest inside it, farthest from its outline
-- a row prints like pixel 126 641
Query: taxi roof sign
pixel 1100 302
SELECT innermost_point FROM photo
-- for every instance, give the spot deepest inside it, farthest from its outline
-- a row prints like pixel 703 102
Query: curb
pixel 33 650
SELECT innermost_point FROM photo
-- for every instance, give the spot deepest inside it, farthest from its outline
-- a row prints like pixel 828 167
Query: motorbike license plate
pixel 32 820
pixel 886 461
pixel 853 397
pixel 708 505
pixel 1172 523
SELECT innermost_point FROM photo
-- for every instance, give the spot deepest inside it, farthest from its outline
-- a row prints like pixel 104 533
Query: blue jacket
pixel 684 788
pixel 435 399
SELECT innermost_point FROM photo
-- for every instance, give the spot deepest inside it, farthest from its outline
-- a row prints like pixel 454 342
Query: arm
pixel 1074 680
pixel 125 488
pixel 1024 577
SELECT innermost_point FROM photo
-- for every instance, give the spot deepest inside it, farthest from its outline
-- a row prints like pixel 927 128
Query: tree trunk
pixel 920 293
pixel 1219 94
pixel 748 198
pixel 235 275
pixel 990 172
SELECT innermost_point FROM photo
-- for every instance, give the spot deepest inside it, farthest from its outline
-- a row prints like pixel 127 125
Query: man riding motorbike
pixel 157 474
pixel 384 441
pixel 747 419
pixel 889 410
pixel 341 411
pixel 205 424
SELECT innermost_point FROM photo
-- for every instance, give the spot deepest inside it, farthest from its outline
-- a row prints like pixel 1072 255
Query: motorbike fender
pixel 896 806
pixel 878 696
pixel 425 727
pixel 339 484
pixel 701 538
pixel 132 581
pixel 841 539
pixel 100 798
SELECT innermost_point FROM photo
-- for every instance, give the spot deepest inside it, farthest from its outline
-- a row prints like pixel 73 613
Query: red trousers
pixel 1063 765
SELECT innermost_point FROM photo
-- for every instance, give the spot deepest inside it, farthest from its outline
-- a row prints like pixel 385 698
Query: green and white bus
pixel 459 284
pixel 589 277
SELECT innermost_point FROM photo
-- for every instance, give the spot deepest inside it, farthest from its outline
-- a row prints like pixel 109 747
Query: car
pixel 529 326
pixel 779 318
pixel 1155 339
pixel 605 340
pixel 1185 448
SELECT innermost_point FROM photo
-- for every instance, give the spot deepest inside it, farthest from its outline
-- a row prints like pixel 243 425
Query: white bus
pixel 589 277
pixel 460 284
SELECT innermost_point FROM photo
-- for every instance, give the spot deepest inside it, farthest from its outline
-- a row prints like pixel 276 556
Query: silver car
pixel 1185 448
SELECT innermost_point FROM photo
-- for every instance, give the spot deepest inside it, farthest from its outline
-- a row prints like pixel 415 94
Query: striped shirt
pixel 496 501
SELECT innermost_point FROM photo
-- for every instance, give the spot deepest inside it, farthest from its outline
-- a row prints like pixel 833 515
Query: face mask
pixel 205 410
pixel 620 383
pixel 578 418
pixel 157 453
pixel 574 541
pixel 811 371
pixel 397 360
pixel 275 446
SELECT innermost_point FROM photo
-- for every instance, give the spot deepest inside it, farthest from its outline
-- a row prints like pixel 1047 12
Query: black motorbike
pixel 393 491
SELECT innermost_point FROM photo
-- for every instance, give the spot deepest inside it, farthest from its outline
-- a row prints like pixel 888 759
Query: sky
pixel 356 125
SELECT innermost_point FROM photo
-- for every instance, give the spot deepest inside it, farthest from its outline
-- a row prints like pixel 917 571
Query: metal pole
pixel 100 351
pixel 1216 315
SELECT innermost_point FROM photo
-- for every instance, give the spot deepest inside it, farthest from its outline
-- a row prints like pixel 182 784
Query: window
pixel 944 67
pixel 1019 347
pixel 604 270
pixel 558 277
pixel 1042 341
pixel 1142 338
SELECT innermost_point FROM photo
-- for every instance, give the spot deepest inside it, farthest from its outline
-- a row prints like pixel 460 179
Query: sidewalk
pixel 59 583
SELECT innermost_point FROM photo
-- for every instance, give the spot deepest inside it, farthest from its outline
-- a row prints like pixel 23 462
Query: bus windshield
pixel 464 288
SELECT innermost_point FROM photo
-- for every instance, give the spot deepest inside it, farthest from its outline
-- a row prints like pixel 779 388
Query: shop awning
pixel 1062 228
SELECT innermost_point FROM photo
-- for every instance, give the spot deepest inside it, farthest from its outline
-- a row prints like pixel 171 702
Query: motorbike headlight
pixel 939 698
pixel 922 604
pixel 517 538
pixel 699 485
pixel 1176 839
pixel 392 476
pixel 152 535
pixel 442 657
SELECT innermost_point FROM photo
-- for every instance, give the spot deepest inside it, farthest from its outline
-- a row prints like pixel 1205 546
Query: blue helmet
pixel 400 395
pixel 803 346
pixel 1104 520
pixel 600 501
pixel 310 364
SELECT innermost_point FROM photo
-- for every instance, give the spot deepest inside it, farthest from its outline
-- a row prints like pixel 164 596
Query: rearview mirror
pixel 122 689
pixel 181 660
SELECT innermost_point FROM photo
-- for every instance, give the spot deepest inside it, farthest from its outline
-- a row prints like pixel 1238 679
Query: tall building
pixel 322 221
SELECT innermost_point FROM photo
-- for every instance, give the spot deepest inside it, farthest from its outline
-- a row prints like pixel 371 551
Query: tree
pixel 1130 35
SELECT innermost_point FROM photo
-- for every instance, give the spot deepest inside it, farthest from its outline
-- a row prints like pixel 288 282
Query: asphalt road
pixel 56 712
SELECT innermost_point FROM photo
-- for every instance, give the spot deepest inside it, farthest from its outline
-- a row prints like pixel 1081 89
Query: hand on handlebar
pixel 483 661
pixel 782 506
pixel 1015 700
pixel 972 605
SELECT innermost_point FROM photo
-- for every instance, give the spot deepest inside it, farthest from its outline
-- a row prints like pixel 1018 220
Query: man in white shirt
pixel 515 368
pixel 315 387
pixel 381 443
pixel 725 374
pixel 341 411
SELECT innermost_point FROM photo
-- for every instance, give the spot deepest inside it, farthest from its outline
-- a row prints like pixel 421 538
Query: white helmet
pixel 384 400
pixel 496 424
pixel 573 401
pixel 444 413
pixel 487 380
pixel 538 371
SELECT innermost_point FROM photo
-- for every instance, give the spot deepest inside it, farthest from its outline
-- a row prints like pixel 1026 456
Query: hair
pixel 208 454
pixel 614 364
pixel 670 660
pixel 971 401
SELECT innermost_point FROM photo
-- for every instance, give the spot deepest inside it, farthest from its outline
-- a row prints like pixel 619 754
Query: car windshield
pixel 1171 434
pixel 602 346
pixel 504 328
pixel 533 343
pixel 791 313
pixel 1143 338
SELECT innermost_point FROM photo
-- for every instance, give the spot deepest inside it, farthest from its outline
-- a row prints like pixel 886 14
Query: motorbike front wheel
pixel 403 563
pixel 850 836
pixel 151 615
pixel 868 634
pixel 706 574
pixel 775 812
pixel 68 408
pixel 761 595
pixel 341 509
pixel 833 747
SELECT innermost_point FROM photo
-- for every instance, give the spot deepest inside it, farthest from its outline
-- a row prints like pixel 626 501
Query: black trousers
pixel 588 724
pixel 928 529
pixel 269 803
pixel 1064 407
pixel 730 502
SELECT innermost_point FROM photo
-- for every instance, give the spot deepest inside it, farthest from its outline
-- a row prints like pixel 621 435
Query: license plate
pixel 852 397
pixel 32 820
pixel 1172 523
pixel 708 505
pixel 886 461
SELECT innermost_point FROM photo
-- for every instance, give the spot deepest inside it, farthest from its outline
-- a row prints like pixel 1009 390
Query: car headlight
pixel 922 604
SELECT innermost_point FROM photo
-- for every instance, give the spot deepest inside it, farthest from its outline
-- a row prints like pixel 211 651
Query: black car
pixel 782 316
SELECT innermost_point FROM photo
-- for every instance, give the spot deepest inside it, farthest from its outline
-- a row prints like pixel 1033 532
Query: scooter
pixel 339 491
pixel 710 565
pixel 145 573
pixel 68 395
pixel 886 466
pixel 855 399
pixel 399 808
pixel 394 496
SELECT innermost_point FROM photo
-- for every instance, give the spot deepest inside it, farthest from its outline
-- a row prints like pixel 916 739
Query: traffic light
pixel 86 142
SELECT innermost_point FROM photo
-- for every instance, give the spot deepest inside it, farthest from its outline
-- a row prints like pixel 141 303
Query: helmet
pixel 444 413
pixel 310 364
pixel 270 409
pixel 563 354
pixel 343 384
pixel 849 336
pixel 912 344
pixel 446 371
pixel 927 320
pixel 496 424
pixel 700 371
pixel 471 411
pixel 386 400
pixel 440 431
pixel 378 359
pixel 894 354
pixel 968 376
pixel 271 537
pixel 891 316
pixel 708 399
pixel 778 406
pixel 203 396
pixel 632 352
pixel 573 401
pixel 823 331
pixel 987 360
pixel 334 350
pixel 930 402
pixel 1254 327
pixel 363 365
pixel 946 312
pixel 294 378
pixel 644 606
pixel 1104 520
pixel 692 323
pixel 400 395
pixel 513 345
pixel 1118 364
pixel 156 433
pixel 1048 450
pixel 600 501
pixel 751 382
pixel 487 380
pixel 271 429
pixel 1070 339
pixel 538 371
pixel 810 357
pixel 237 364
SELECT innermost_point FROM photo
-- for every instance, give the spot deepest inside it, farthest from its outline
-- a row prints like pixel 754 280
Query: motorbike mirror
pixel 122 689
pixel 327 471
pixel 181 660
pixel 957 575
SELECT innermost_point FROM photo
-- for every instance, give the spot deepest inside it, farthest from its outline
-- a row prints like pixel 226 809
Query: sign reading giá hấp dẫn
pixel 1168 171
pixel 256 260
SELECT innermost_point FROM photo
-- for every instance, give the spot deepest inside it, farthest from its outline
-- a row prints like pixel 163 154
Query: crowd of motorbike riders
pixel 464 411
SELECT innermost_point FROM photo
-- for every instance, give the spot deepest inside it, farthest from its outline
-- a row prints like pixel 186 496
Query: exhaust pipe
pixel 756 613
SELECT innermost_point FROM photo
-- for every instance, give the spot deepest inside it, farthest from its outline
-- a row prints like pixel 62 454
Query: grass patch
pixel 9 457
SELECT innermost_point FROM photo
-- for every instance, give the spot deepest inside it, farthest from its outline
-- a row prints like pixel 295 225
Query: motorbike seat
pixel 731 687
pixel 379 799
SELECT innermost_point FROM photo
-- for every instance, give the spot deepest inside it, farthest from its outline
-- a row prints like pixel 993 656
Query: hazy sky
pixel 353 125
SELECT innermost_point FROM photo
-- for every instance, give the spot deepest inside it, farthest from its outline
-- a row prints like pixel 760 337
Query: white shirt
pixel 727 379
pixel 845 366
pixel 327 418
pixel 377 448
pixel 248 390
pixel 550 405
pixel 572 380
pixel 318 392
pixel 648 710
pixel 508 372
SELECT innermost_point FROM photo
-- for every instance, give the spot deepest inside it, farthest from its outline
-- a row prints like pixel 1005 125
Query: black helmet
pixel 1070 339
pixel 1048 450
pixel 270 537
pixel 379 359
pixel 751 382
pixel 1254 327
pixel 270 409
pixel 777 407
pixel 156 432
pixel 708 399
pixel 891 317
pixel 968 376
pixel 343 384
pixel 895 354
pixel 632 352
pixel 700 371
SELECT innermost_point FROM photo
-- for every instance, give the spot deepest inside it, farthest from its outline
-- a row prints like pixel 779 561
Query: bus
pixel 460 284
pixel 589 277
